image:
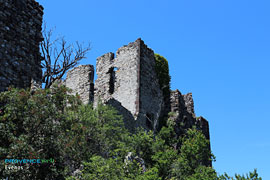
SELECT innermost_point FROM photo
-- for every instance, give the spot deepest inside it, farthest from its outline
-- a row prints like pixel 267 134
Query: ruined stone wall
pixel 81 81
pixel 117 82
pixel 128 81
pixel 203 125
pixel 20 35
pixel 183 115
pixel 151 98
pixel 189 103
pixel 117 77
pixel 182 107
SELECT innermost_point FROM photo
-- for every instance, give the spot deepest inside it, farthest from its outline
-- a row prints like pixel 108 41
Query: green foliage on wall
pixel 162 70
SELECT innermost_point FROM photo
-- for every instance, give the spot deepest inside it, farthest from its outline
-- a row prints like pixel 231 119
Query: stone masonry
pixel 81 81
pixel 182 108
pixel 129 82
pixel 20 36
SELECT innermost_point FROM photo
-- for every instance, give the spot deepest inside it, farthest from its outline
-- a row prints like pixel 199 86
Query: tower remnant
pixel 129 83
pixel 20 36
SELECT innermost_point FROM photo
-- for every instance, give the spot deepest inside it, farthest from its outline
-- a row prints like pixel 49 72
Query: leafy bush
pixel 30 128
pixel 50 124
pixel 250 176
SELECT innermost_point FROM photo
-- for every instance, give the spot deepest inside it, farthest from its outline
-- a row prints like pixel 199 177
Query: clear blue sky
pixel 217 49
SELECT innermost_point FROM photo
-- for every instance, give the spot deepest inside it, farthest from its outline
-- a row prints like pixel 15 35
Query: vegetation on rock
pixel 162 70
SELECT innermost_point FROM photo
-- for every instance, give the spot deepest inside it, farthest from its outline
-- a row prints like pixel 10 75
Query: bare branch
pixel 59 57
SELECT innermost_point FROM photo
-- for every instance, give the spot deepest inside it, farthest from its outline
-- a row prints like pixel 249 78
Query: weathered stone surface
pixel 184 116
pixel 189 103
pixel 204 126
pixel 80 81
pixel 130 80
pixel 20 35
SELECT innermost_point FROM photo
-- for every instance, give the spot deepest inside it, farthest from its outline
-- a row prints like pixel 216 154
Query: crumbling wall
pixel 117 77
pixel 130 79
pixel 20 36
pixel 189 104
pixel 129 83
pixel 203 125
pixel 81 81
pixel 182 108
pixel 151 98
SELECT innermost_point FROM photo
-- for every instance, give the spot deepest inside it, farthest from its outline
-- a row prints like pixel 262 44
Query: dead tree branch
pixel 59 57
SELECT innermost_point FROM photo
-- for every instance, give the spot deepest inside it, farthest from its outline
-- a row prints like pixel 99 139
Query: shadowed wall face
pixel 20 36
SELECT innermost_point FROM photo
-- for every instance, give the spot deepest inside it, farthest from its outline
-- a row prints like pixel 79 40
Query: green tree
pixel 250 176
pixel 52 124
pixel 30 128
pixel 193 152
pixel 91 132
pixel 113 169
pixel 203 173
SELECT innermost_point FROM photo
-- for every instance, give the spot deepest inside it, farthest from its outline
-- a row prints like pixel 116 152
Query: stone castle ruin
pixel 126 80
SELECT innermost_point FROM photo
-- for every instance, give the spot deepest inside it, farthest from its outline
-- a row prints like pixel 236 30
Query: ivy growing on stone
pixel 164 78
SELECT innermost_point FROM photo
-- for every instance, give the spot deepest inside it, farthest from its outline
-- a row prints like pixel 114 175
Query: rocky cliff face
pixel 20 35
